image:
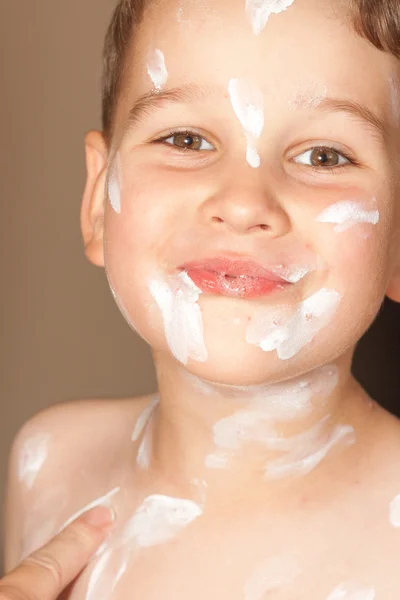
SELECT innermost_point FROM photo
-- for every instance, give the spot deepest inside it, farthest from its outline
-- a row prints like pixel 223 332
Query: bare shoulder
pixel 62 452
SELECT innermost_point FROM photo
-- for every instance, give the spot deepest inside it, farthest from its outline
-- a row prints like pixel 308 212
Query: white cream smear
pixel 347 214
pixel 102 501
pixel 394 511
pixel 144 417
pixel 352 591
pixel 183 323
pixel 156 69
pixel 272 329
pixel 248 103
pixel 32 457
pixel 309 96
pixel 269 575
pixel 144 451
pixel 259 11
pixel 115 184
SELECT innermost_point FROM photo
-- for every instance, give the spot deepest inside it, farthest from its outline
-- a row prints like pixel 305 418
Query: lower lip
pixel 242 286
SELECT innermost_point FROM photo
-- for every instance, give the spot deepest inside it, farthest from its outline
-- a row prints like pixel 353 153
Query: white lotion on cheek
pixel 32 458
pixel 115 184
pixel 269 575
pixel 288 334
pixel 347 214
pixel 248 103
pixel 259 11
pixel 394 514
pixel 158 520
pixel 183 324
pixel 156 69
pixel 352 591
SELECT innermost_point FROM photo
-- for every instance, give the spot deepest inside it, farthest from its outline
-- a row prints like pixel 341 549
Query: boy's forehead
pixel 309 44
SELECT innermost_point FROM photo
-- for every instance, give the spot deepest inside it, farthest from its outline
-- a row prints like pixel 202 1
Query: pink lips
pixel 233 277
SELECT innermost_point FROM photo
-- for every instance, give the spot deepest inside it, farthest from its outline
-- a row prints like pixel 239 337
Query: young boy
pixel 244 200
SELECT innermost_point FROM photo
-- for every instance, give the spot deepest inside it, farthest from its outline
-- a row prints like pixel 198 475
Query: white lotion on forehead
pixel 309 96
pixel 183 324
pixel 394 513
pixel 289 333
pixel 115 184
pixel 347 214
pixel 159 519
pixel 32 457
pixel 248 103
pixel 395 99
pixel 269 575
pixel 102 501
pixel 352 591
pixel 259 11
pixel 156 69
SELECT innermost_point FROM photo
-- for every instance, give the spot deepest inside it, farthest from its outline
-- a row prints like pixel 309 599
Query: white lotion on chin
pixel 289 333
pixel 270 575
pixel 248 103
pixel 394 514
pixel 183 324
pixel 352 591
pixel 347 214
pixel 259 11
pixel 102 501
pixel 32 457
pixel 158 520
pixel 156 69
pixel 115 184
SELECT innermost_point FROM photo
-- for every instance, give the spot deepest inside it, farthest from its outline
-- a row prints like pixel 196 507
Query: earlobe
pixel 93 200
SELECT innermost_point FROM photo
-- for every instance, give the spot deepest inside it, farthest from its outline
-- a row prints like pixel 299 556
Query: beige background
pixel 62 336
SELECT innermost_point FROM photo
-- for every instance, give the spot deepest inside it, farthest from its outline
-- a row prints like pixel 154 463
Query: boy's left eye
pixel 186 140
pixel 321 156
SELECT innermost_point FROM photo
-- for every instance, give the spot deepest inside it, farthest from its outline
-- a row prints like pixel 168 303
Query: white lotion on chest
pixel 352 591
pixel 270 575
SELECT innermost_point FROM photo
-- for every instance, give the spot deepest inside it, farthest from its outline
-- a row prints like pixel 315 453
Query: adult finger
pixel 47 572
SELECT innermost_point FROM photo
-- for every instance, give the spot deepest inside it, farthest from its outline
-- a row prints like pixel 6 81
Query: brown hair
pixel 376 20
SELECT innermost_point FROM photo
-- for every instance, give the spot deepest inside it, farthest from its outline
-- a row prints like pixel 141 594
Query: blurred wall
pixel 62 336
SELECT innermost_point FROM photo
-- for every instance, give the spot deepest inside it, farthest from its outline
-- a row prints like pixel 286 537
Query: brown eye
pixel 187 140
pixel 322 157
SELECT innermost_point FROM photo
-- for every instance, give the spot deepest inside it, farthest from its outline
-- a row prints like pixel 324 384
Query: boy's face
pixel 256 189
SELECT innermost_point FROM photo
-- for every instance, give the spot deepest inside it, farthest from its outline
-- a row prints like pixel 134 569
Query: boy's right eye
pixel 186 140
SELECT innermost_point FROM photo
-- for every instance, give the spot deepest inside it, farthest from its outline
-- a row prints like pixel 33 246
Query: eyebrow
pixel 192 93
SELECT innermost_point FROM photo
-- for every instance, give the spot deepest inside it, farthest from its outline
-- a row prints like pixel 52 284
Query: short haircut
pixel 378 21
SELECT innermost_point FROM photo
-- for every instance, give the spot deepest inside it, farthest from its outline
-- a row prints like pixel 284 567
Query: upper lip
pixel 237 267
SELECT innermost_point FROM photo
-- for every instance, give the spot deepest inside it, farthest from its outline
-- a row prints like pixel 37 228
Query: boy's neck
pixel 309 431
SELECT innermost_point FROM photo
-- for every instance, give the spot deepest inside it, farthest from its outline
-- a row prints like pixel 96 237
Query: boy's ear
pixel 393 289
pixel 93 201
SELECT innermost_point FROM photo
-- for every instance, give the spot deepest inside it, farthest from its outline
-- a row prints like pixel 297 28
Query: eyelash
pixel 352 160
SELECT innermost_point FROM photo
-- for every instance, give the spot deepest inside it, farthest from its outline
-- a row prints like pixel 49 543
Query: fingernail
pixel 100 516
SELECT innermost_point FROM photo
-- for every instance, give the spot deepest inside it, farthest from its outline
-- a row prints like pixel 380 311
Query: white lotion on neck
pixel 115 184
pixel 183 324
pixel 248 103
pixel 270 575
pixel 352 591
pixel 347 214
pixel 259 11
pixel 144 417
pixel 156 69
pixel 288 333
pixel 32 458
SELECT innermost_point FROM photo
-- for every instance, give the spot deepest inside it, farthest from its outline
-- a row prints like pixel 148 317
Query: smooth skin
pixel 46 573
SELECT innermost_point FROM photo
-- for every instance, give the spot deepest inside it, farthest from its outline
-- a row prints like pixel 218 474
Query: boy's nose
pixel 247 211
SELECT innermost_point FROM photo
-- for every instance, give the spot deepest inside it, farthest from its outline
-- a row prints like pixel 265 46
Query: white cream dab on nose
pixel 32 457
pixel 158 520
pixel 394 513
pixel 183 324
pixel 156 69
pixel 259 11
pixel 287 333
pixel 248 103
pixel 269 575
pixel 347 214
pixel 352 591
pixel 115 184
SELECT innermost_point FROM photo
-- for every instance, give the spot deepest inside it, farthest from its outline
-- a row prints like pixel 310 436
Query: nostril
pixel 217 220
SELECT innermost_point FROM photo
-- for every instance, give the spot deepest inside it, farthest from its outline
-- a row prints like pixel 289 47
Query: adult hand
pixel 47 572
